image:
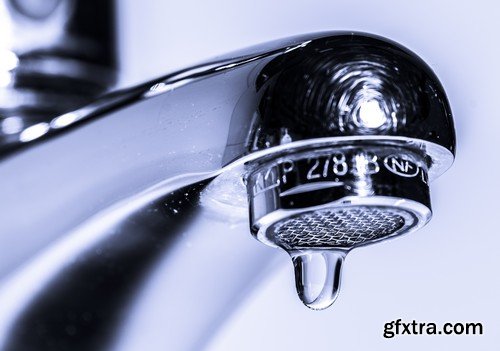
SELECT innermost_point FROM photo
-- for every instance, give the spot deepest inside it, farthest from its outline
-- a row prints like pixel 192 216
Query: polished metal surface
pixel 324 187
pixel 136 204
pixel 56 56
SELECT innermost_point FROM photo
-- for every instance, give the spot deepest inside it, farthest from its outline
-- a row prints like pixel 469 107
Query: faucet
pixel 127 204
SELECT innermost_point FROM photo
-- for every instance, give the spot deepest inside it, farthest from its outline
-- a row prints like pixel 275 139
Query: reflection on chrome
pixel 136 208
pixel 34 132
pixel 370 114
pixel 12 125
pixel 8 60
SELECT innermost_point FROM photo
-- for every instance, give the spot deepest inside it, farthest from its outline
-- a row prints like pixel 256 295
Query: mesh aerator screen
pixel 339 227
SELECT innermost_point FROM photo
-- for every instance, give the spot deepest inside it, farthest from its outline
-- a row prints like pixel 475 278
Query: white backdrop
pixel 447 272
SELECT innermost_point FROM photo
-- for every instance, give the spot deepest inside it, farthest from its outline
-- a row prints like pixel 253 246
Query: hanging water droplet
pixel 317 276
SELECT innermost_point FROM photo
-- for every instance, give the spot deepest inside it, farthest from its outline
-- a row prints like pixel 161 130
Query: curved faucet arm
pixel 79 195
pixel 133 196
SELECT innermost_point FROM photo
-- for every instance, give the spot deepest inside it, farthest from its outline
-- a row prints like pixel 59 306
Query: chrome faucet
pixel 141 202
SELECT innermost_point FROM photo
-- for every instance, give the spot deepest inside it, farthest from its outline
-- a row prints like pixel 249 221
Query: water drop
pixel 317 276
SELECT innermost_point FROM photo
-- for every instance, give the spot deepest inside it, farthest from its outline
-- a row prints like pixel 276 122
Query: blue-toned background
pixel 447 272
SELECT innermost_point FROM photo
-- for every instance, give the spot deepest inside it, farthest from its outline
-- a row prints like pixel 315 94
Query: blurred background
pixel 445 272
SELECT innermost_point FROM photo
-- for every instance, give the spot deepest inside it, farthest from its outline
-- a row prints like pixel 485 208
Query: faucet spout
pixel 139 203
